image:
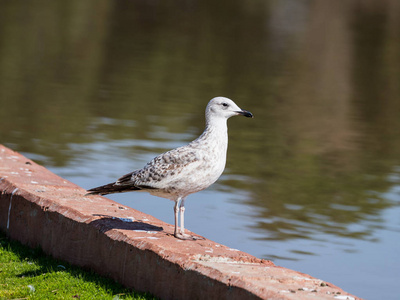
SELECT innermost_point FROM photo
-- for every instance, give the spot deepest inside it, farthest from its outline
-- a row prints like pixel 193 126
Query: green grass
pixel 30 274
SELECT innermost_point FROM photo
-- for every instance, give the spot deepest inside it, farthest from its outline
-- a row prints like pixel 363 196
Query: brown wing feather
pixel 161 166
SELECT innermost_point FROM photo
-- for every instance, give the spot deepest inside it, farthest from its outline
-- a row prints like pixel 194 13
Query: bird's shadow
pixel 107 223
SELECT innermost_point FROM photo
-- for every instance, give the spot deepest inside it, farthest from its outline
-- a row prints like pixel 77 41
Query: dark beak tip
pixel 247 114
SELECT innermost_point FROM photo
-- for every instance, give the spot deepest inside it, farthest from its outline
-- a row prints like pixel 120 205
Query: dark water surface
pixel 94 89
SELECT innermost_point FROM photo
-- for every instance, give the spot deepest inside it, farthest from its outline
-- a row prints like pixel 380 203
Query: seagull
pixel 180 172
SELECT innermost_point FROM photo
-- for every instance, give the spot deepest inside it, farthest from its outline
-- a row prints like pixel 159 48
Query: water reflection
pixel 86 82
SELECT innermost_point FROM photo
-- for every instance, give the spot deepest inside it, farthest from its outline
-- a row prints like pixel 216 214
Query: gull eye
pixel 225 104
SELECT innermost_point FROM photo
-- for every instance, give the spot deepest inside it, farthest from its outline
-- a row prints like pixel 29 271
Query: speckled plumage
pixel 180 172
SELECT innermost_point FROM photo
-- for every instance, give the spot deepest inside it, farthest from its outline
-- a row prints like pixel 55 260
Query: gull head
pixel 224 108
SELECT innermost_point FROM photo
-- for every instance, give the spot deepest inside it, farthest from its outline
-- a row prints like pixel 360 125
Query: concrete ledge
pixel 42 209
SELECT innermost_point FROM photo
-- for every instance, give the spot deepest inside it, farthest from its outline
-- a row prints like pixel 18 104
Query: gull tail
pixel 111 188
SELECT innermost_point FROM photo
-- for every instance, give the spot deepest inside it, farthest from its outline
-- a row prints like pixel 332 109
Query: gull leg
pixel 180 234
pixel 179 209
pixel 182 214
pixel 176 210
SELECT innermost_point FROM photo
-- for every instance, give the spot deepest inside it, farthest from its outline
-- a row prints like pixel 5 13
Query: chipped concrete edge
pixel 39 208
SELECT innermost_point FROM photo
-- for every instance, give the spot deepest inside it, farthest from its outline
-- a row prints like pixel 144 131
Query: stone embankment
pixel 42 209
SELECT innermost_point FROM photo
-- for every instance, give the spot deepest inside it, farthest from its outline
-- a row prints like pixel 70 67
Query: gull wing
pixel 159 171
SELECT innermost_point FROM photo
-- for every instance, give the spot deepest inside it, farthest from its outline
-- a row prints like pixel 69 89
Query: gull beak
pixel 245 113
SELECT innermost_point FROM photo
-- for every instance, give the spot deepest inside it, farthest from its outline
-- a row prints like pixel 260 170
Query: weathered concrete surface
pixel 39 208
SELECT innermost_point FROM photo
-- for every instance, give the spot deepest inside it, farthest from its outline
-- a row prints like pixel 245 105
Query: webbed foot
pixel 185 236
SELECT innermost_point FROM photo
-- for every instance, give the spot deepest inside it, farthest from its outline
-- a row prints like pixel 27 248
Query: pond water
pixel 94 89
